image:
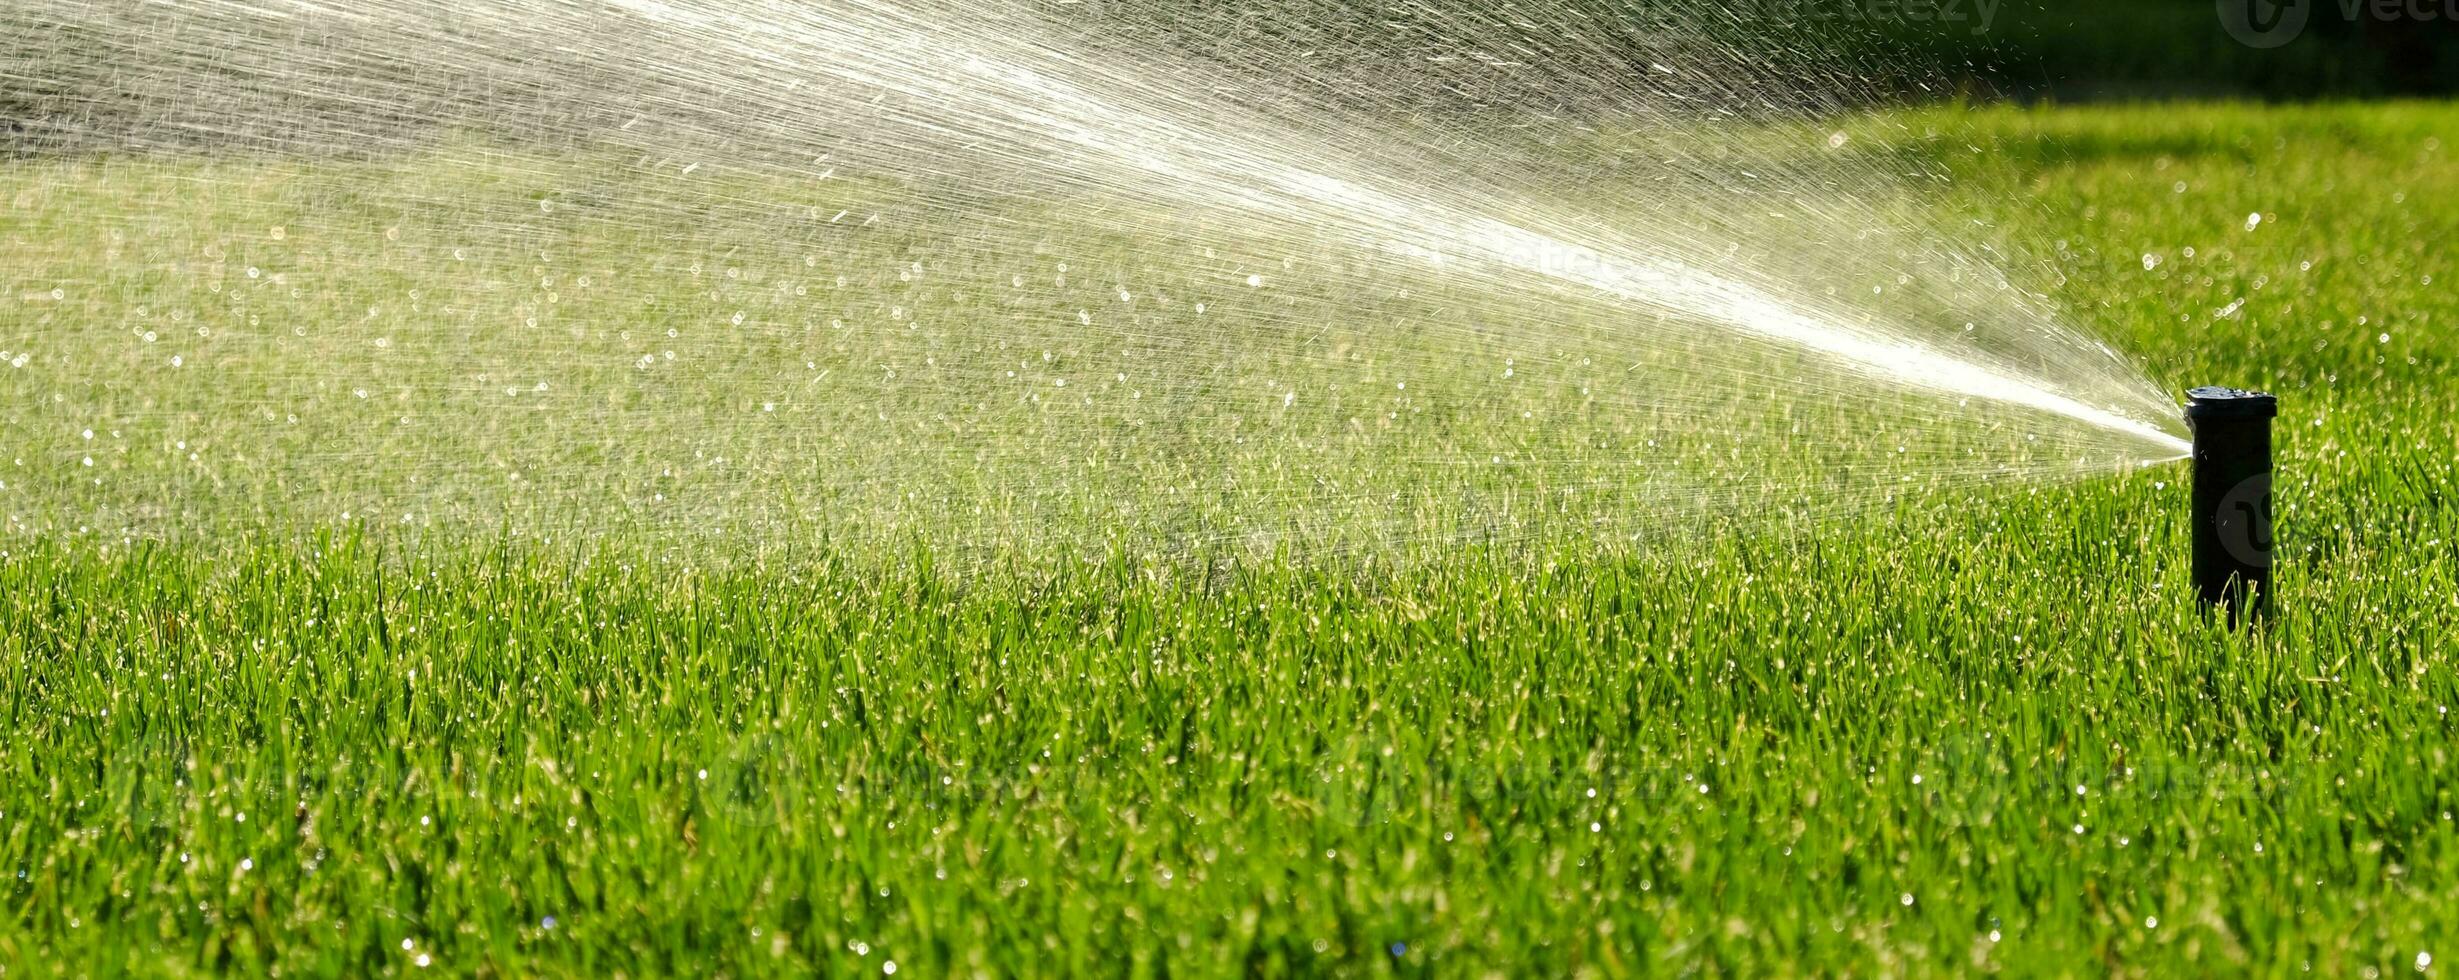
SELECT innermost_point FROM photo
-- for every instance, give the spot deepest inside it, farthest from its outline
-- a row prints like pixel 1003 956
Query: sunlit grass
pixel 1959 731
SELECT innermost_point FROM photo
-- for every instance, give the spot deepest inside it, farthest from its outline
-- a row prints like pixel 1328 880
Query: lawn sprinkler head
pixel 2232 498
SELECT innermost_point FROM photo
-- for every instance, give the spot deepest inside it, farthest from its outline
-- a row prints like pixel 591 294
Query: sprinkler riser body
pixel 2232 498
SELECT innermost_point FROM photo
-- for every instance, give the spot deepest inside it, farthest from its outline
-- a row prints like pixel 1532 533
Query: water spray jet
pixel 2232 498
pixel 1389 295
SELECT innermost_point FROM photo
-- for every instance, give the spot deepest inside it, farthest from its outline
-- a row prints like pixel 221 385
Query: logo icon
pixel 2264 23
pixel 2245 522
pixel 755 784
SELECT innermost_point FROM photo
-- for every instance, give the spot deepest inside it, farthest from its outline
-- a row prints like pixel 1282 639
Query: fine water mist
pixel 1009 278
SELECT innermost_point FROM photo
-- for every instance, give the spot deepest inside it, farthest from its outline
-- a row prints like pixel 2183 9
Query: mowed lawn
pixel 1984 734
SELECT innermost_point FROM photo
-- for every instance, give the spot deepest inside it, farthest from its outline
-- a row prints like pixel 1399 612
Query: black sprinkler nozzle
pixel 2232 498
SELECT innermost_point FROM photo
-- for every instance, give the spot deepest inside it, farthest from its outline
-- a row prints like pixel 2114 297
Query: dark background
pixel 61 89
pixel 2097 50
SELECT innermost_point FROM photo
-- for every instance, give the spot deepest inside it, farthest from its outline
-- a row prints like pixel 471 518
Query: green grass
pixel 1984 733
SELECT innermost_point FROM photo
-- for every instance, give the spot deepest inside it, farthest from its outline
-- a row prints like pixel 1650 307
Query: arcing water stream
pixel 995 275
